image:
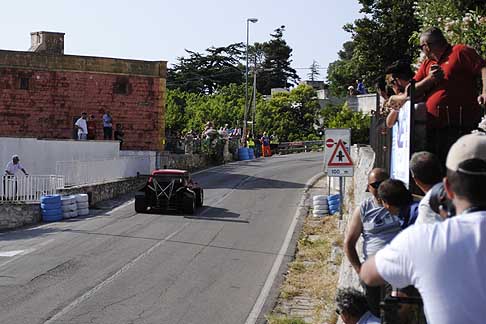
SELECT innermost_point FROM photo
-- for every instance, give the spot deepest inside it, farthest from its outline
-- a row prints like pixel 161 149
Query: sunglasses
pixel 375 184
pixel 338 311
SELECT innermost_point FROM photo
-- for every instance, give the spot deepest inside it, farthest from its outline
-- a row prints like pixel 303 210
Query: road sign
pixel 332 138
pixel 340 163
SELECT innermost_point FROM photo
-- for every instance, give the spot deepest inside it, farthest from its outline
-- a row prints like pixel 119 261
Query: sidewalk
pixel 308 291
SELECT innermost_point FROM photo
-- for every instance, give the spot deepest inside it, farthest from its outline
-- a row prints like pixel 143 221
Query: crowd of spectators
pixel 435 248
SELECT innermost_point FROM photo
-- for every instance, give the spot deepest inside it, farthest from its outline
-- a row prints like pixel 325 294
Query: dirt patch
pixel 307 294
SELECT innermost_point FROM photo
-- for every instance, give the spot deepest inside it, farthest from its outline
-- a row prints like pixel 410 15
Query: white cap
pixel 471 146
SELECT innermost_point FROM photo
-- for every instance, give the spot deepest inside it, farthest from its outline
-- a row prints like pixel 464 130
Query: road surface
pixel 122 267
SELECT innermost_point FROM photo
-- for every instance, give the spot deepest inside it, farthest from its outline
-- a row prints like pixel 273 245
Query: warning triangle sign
pixel 340 157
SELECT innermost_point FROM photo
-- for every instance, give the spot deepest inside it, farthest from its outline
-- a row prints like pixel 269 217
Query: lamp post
pixel 248 21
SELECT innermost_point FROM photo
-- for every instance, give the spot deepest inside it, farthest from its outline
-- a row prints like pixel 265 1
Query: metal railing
pixel 380 141
pixel 96 171
pixel 29 188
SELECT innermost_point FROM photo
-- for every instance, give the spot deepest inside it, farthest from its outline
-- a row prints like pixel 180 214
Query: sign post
pixel 337 161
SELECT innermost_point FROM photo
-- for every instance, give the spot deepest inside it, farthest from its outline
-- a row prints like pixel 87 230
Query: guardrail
pixel 297 147
pixel 29 188
pixel 96 171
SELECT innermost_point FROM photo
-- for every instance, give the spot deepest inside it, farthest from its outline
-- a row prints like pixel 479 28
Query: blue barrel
pixel 251 153
pixel 243 153
pixel 51 208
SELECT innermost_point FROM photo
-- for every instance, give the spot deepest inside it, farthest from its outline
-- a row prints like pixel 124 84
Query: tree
pixel 289 115
pixel 205 73
pixel 379 38
pixel 276 69
pixel 314 70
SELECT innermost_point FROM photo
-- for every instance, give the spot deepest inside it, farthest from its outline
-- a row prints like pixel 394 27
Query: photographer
pixel 445 261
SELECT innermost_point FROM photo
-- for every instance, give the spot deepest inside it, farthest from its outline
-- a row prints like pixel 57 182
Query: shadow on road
pixel 243 181
pixel 217 214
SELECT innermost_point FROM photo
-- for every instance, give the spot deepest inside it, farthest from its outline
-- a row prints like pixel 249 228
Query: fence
pixel 29 188
pixel 96 171
pixel 380 141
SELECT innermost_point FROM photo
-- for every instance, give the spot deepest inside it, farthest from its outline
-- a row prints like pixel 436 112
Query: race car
pixel 169 190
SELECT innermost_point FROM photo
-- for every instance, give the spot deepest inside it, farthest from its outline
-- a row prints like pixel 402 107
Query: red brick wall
pixel 54 99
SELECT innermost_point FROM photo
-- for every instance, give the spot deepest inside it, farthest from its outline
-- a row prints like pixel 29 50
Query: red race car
pixel 169 190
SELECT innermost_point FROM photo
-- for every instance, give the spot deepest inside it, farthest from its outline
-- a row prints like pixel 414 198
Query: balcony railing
pixel 28 188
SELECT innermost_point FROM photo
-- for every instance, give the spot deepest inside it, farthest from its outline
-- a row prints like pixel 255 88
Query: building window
pixel 24 83
pixel 121 86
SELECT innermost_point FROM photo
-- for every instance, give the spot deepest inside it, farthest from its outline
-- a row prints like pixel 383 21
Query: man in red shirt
pixel 447 80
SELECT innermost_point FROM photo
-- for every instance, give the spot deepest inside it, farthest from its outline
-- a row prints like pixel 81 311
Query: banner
pixel 400 150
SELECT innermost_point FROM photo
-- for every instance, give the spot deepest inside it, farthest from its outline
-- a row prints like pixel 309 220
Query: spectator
pixel 398 201
pixel 447 78
pixel 360 88
pixel 258 146
pixel 351 91
pixel 398 76
pixel 107 126
pixel 377 227
pixel 352 307
pixel 14 166
pixel 426 171
pixel 82 127
pixel 265 140
pixel 119 134
pixel 91 122
pixel 446 261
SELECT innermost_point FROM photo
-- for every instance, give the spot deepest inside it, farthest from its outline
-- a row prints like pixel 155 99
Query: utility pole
pixel 254 98
pixel 245 122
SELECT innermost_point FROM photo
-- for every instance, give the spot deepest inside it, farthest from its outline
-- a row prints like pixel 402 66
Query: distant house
pixel 43 91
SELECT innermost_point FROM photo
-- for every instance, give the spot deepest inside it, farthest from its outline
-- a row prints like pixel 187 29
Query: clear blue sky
pixel 161 30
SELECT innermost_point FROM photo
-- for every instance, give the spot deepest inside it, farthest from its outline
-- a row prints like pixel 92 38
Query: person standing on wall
pixel 82 127
pixel 107 126
pixel 91 122
pixel 119 134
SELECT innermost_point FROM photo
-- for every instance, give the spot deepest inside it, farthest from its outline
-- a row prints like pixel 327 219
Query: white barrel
pixel 319 198
pixel 68 200
pixel 81 198
pixel 82 205
pixel 69 208
pixel 83 212
pixel 70 214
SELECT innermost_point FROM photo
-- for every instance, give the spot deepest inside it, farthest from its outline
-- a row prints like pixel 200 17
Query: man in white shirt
pixel 82 127
pixel 352 307
pixel 445 261
pixel 14 166
pixel 426 171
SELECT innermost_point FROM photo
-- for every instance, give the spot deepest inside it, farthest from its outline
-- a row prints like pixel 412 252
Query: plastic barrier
pixel 51 208
pixel 243 154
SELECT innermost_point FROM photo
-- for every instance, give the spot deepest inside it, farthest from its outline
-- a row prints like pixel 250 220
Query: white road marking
pixel 258 306
pixel 110 279
pixel 10 253
pixel 125 204
pixel 22 252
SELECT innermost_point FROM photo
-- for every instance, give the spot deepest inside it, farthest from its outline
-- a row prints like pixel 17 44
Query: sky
pixel 162 30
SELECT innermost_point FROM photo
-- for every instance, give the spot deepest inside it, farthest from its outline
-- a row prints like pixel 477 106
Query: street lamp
pixel 248 21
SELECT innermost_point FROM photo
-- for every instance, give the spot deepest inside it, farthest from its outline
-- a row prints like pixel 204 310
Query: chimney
pixel 47 42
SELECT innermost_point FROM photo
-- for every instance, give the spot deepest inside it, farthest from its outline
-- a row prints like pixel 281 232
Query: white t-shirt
pixel 425 214
pixel 83 126
pixel 13 168
pixel 446 262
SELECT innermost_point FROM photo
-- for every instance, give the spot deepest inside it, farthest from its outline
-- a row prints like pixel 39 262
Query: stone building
pixel 43 92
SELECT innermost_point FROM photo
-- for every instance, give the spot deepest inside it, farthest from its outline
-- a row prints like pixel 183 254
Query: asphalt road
pixel 122 267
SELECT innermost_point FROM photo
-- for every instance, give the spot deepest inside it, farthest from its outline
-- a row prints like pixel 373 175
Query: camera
pixel 440 203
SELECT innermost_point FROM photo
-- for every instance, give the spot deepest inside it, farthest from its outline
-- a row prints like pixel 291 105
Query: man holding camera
pixel 445 261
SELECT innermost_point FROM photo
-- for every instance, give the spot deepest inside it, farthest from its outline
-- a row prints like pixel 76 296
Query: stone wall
pixel 19 214
pixel 184 161
pixel 363 157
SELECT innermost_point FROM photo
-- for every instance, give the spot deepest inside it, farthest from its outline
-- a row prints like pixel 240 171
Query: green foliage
pixel 379 39
pixel 291 116
pixel 275 65
pixel 345 118
pixel 462 21
pixel 190 111
pixel 205 73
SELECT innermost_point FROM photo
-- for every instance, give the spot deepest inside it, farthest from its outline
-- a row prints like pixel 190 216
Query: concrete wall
pixel 18 215
pixel 40 156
